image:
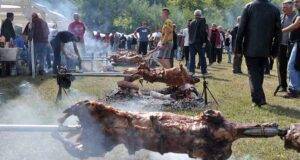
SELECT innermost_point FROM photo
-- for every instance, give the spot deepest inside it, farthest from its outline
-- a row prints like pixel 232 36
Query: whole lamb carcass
pixel 208 136
pixel 175 77
pixel 126 59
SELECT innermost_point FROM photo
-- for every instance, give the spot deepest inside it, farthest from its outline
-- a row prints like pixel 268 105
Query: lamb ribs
pixel 208 136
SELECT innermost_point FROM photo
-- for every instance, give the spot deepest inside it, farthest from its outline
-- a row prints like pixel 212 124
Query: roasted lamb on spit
pixel 174 77
pixel 180 83
pixel 126 59
pixel 208 136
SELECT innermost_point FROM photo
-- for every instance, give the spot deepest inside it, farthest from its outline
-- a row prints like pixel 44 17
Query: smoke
pixel 63 7
pixel 93 48
pixel 30 108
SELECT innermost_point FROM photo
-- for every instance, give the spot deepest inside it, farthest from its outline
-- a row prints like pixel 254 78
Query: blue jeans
pixel 229 53
pixel 294 75
pixel 40 52
pixel 194 49
pixel 56 47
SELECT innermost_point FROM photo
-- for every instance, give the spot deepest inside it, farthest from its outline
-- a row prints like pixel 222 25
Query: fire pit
pixel 180 93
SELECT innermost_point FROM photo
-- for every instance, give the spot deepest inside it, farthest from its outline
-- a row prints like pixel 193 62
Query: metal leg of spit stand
pixel 59 95
pixel 204 93
pixel 32 60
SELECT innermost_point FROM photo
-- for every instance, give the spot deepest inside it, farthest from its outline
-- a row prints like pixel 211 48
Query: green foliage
pixel 126 15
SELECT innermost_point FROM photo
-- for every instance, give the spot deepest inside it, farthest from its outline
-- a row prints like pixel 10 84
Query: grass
pixel 231 91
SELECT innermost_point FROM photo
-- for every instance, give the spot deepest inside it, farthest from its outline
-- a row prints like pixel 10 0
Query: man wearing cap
pixel 197 39
pixel 258 38
pixel 283 56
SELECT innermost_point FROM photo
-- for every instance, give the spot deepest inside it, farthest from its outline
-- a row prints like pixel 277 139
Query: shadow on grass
pixel 284 111
pixel 210 77
pixel 218 67
pixel 218 79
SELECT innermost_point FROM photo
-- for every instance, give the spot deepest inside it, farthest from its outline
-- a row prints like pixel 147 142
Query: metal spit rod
pixel 105 74
pixel 37 128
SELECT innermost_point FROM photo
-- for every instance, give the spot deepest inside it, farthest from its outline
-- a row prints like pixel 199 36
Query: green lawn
pixel 232 92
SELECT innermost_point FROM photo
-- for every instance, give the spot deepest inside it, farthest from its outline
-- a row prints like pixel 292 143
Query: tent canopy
pixel 23 9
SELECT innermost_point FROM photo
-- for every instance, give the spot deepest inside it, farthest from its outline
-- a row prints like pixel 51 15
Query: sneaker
pixel 290 95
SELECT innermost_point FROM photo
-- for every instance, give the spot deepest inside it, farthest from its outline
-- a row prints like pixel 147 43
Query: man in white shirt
pixel 186 52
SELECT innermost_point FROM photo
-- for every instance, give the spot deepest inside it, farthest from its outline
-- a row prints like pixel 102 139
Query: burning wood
pixel 208 136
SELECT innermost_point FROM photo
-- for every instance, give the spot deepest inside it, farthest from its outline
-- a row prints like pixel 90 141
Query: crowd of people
pixel 261 34
pixel 47 44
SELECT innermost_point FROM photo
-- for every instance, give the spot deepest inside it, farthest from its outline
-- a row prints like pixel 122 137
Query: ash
pixel 150 101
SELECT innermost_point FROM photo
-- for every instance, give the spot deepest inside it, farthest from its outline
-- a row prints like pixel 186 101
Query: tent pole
pixel 32 60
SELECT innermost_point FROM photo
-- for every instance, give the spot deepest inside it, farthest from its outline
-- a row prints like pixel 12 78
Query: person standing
pixel 228 46
pixel 222 31
pixel 197 42
pixel 215 40
pixel 78 29
pixel 143 32
pixel 186 50
pixel 283 57
pixel 7 29
pixel 220 46
pixel 237 58
pixel 294 61
pixel 123 40
pixel 175 46
pixel 166 41
pixel 39 34
pixel 258 37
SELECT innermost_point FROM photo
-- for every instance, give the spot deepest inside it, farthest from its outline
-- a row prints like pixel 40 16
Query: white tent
pixel 23 10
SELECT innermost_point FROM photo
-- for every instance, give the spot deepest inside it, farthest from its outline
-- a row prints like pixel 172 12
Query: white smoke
pixel 30 108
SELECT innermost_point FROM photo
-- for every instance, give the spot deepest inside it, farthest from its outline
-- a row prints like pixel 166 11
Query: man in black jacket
pixel 197 39
pixel 258 37
pixel 7 29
